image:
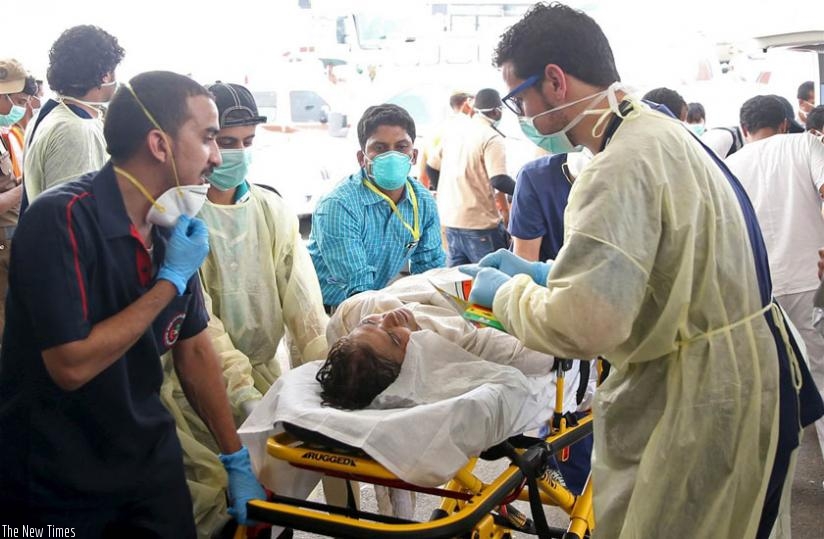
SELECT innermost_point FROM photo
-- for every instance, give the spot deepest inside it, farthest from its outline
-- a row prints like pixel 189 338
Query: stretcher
pixel 469 507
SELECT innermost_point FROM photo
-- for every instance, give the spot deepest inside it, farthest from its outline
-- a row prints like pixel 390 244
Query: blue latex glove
pixel 187 248
pixel 512 265
pixel 486 285
pixel 243 486
pixel 469 269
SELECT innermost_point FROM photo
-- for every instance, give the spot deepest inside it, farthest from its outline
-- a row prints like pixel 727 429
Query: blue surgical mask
pixel 557 142
pixel 390 170
pixel 233 171
pixel 698 129
pixel 15 115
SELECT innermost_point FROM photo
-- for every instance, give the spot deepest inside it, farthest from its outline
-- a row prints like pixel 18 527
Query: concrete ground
pixel 808 490
pixel 807 495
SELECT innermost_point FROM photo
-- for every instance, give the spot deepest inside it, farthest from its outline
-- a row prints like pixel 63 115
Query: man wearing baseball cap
pixel 259 284
pixel 12 108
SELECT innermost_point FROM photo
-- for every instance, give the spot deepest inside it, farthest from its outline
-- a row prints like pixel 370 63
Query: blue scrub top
pixel 538 205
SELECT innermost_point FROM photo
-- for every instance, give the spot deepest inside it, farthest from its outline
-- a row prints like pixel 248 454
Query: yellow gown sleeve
pixel 300 294
pixel 600 279
pixel 237 369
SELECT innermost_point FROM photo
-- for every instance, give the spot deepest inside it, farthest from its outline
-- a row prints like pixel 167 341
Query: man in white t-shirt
pixel 725 141
pixel 784 177
pixel 472 180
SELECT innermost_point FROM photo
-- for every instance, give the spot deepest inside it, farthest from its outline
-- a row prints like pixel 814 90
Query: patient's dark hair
pixel 353 375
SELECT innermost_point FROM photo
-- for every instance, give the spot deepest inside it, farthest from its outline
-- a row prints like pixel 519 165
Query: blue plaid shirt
pixel 358 243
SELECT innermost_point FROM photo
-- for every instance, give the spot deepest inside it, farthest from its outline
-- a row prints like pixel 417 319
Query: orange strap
pixel 16 165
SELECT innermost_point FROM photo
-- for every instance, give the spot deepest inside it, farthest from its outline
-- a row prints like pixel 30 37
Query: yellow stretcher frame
pixel 468 506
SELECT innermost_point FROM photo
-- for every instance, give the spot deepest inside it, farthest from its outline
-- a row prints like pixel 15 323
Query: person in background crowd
pixel 541 193
pixel 460 103
pixel 696 118
pixel 102 281
pixel 645 213
pixel 470 169
pixel 13 103
pixel 815 121
pixel 784 178
pixel 366 230
pixel 792 124
pixel 670 99
pixel 34 92
pixel 67 139
pixel 806 100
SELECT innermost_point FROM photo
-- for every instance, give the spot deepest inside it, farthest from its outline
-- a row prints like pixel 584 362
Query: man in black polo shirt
pixel 97 293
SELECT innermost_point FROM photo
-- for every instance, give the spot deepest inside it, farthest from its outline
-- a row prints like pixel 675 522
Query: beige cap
pixel 12 76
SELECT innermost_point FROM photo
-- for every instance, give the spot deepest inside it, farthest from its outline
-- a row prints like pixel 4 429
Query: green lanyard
pixel 416 231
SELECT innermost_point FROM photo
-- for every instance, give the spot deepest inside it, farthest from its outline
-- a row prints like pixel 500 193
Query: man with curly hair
pixel 66 140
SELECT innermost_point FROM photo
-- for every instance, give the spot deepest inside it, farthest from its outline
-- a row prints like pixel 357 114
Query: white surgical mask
pixel 174 202
pixel 558 142
pixel 698 129
pixel 100 105
pixel 184 200
pixel 576 161
pixel 493 123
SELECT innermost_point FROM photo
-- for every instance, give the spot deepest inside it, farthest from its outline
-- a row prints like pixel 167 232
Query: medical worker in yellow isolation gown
pixel 259 283
pixel 663 272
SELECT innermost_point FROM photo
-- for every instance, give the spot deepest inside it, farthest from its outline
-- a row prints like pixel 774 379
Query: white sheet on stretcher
pixel 464 406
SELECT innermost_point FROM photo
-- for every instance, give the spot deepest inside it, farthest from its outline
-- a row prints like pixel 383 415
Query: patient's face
pixel 388 333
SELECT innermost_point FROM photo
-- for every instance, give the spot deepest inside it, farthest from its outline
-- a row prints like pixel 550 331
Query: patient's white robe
pixel 434 313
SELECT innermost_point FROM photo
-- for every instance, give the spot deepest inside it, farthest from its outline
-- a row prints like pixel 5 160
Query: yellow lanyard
pixel 416 231
pixel 139 187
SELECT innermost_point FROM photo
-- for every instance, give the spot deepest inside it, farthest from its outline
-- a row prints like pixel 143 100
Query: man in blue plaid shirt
pixel 375 221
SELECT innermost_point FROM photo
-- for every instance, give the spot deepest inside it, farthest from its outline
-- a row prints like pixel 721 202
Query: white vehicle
pixel 301 150
pixel 300 108
pixel 301 165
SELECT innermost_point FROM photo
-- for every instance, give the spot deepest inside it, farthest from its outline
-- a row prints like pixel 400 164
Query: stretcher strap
pixel 532 468
pixel 351 503
pixel 583 381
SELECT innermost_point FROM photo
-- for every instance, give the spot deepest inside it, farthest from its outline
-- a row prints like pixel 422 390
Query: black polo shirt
pixel 78 260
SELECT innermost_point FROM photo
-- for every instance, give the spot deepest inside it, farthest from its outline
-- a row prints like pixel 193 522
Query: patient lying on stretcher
pixel 375 333
pixel 458 391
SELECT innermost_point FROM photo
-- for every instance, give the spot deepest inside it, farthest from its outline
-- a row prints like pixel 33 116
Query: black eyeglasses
pixel 513 99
